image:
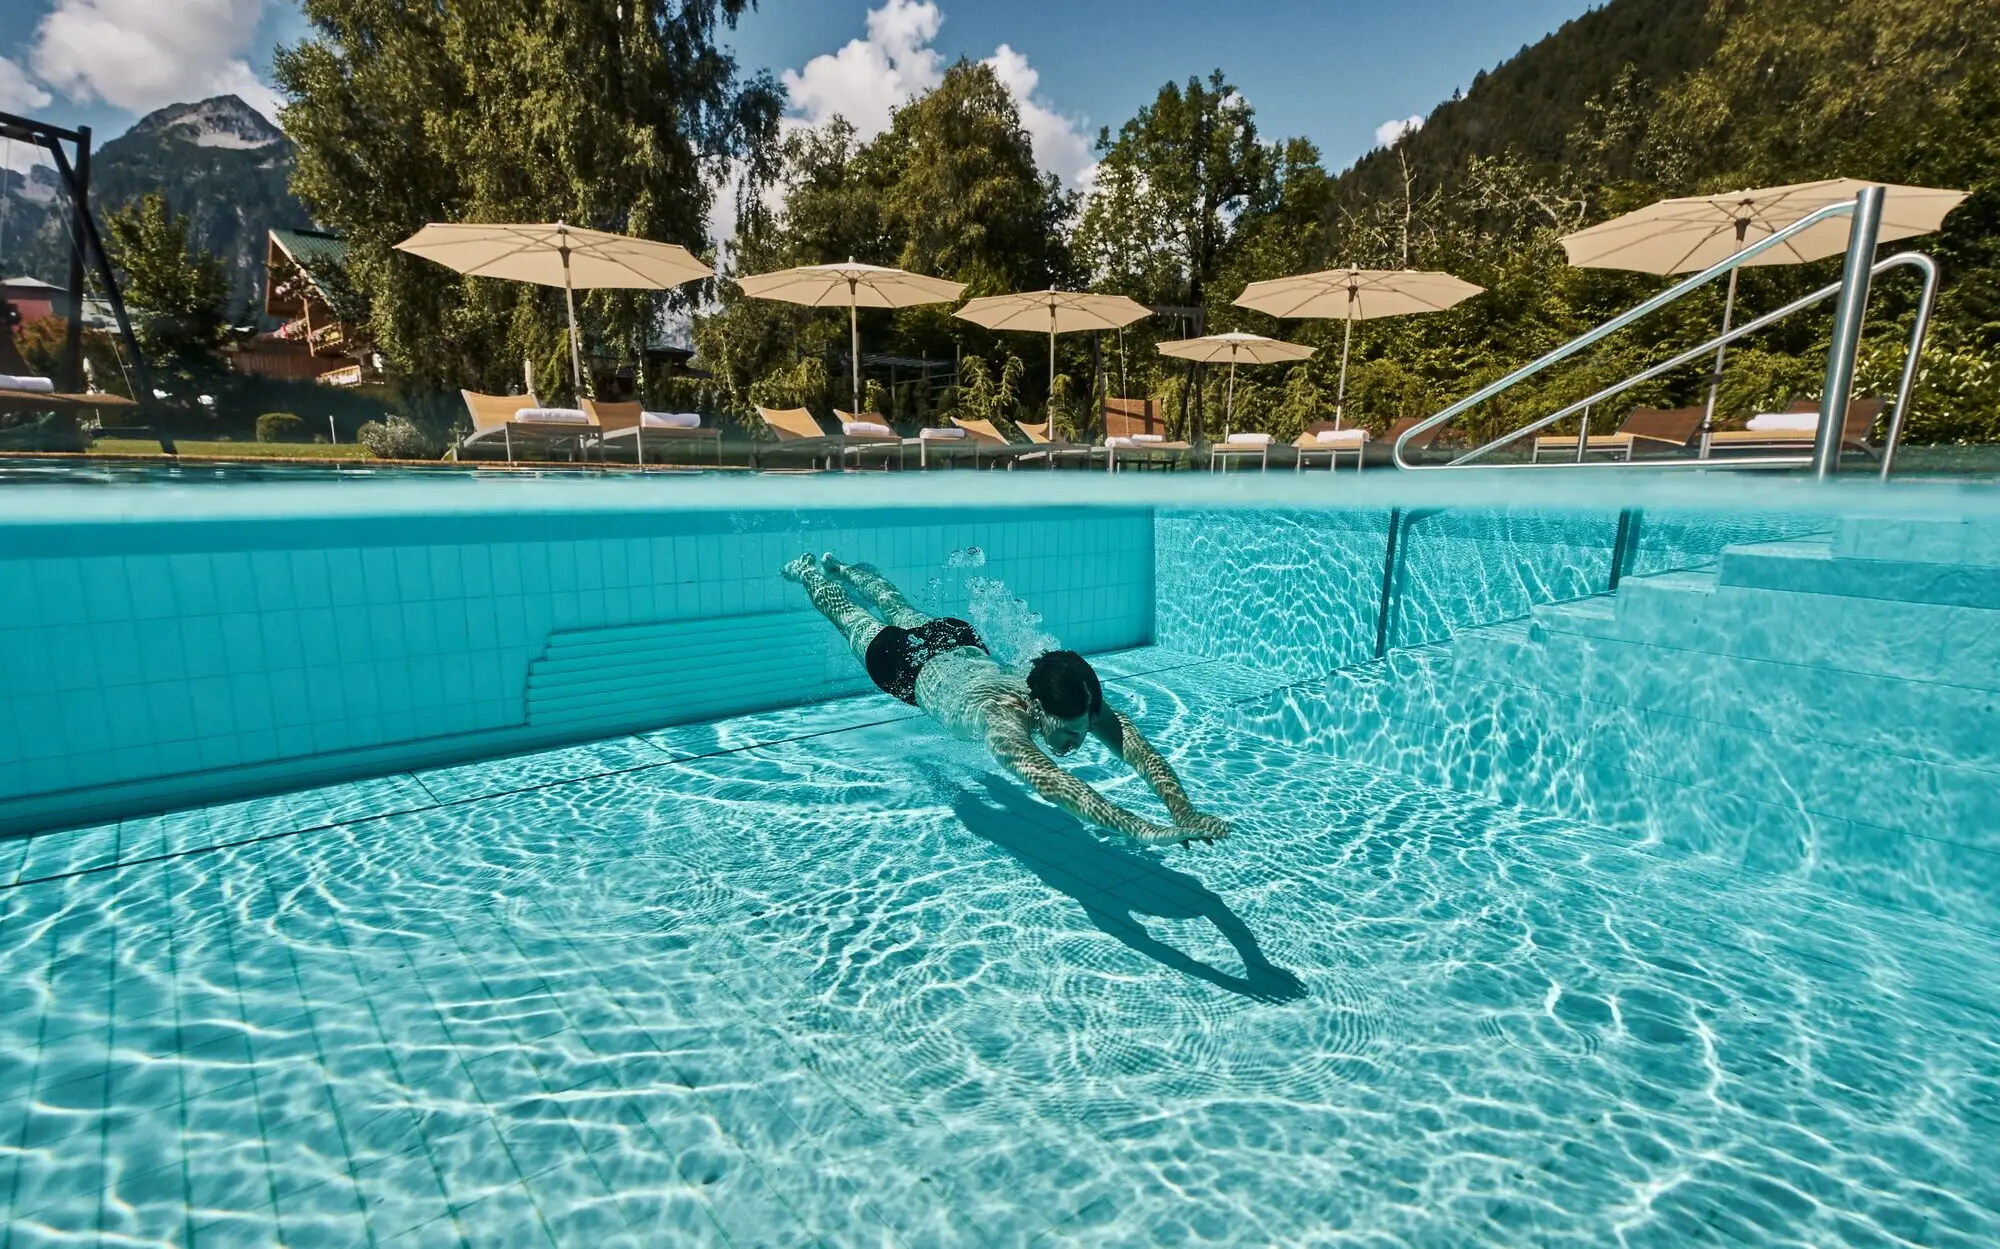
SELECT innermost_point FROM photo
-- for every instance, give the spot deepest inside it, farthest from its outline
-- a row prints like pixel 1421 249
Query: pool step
pixel 1850 738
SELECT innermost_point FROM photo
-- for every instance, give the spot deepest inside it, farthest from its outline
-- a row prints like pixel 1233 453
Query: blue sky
pixel 1333 70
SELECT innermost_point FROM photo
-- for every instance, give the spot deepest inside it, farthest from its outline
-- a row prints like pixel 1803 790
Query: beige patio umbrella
pixel 856 285
pixel 557 255
pixel 1235 347
pixel 1053 313
pixel 1689 234
pixel 1355 295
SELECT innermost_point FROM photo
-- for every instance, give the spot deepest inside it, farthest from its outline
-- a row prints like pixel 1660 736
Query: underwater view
pixel 1546 912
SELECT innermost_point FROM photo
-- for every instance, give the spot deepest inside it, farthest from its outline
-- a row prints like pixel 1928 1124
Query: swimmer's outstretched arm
pixel 1123 737
pixel 1014 748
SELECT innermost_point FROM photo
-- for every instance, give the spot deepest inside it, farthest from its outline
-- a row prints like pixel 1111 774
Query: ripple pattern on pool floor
pixel 854 989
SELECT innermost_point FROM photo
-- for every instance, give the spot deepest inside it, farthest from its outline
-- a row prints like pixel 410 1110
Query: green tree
pixel 177 294
pixel 621 115
pixel 1178 173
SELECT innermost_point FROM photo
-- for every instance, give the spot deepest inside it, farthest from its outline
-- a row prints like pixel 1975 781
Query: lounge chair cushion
pixel 552 416
pixel 36 385
pixel 1338 437
pixel 934 432
pixel 867 427
pixel 1765 421
pixel 671 420
pixel 1249 440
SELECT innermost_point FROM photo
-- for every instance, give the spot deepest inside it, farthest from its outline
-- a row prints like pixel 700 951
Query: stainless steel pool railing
pixel 1852 292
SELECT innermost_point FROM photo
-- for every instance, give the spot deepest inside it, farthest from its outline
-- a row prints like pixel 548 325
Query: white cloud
pixel 1060 145
pixel 1395 128
pixel 19 93
pixel 868 78
pixel 144 54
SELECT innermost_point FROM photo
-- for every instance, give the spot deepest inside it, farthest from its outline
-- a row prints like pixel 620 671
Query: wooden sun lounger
pixel 1049 449
pixel 797 428
pixel 988 442
pixel 1125 418
pixel 1307 445
pixel 617 420
pixel 1854 431
pixel 1661 429
pixel 494 414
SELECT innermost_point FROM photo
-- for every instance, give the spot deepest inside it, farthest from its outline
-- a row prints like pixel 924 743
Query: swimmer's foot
pixel 834 567
pixel 797 569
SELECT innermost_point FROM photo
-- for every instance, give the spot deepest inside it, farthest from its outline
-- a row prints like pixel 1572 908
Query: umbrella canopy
pixel 556 254
pixel 1053 313
pixel 1235 347
pixel 1355 295
pixel 1690 234
pixel 855 286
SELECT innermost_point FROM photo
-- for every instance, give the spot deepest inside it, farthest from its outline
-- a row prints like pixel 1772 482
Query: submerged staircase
pixel 1827 707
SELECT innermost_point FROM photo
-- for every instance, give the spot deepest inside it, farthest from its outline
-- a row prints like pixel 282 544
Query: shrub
pixel 397 439
pixel 279 427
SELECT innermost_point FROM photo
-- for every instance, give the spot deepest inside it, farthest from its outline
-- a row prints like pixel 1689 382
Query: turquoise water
pixel 818 975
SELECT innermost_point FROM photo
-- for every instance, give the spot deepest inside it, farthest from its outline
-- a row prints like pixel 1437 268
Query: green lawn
pixel 236 450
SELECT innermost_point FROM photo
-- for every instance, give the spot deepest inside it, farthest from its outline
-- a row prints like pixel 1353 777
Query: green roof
pixel 310 246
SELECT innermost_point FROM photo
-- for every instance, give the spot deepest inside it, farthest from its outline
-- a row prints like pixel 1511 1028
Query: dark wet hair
pixel 1065 685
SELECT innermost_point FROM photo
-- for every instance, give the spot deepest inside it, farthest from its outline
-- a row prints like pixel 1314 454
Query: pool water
pixel 819 976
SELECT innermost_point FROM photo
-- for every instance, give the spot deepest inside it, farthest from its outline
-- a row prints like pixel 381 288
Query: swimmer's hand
pixel 797 569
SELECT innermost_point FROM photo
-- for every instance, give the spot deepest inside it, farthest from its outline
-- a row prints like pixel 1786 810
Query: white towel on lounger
pixel 867 427
pixel 552 416
pixel 1249 440
pixel 1335 437
pixel 933 431
pixel 1787 421
pixel 671 420
pixel 17 381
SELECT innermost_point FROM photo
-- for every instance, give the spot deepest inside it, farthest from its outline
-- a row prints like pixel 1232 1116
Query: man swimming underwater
pixel 940 665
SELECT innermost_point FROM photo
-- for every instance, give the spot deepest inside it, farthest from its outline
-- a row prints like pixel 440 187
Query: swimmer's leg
pixel 869 582
pixel 856 625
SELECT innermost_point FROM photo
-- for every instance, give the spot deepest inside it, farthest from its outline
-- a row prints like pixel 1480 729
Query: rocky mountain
pixel 218 161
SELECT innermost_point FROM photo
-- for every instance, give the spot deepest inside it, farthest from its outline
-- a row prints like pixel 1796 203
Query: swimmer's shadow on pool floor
pixel 1115 885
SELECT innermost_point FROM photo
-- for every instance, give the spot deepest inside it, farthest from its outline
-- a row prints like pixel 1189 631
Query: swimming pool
pixel 1493 955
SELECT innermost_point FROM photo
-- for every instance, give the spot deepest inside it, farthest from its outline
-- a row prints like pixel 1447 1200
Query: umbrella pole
pixel 575 352
pixel 1052 372
pixel 1715 377
pixel 854 346
pixel 1229 401
pixel 1346 339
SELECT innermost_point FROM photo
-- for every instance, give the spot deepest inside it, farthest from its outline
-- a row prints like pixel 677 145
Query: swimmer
pixel 940 665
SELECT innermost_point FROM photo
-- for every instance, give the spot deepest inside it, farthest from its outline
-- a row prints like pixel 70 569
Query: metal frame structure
pixel 1850 306
pixel 84 237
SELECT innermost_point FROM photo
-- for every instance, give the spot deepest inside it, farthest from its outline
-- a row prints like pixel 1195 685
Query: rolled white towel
pixel 17 381
pixel 1136 441
pixel 933 432
pixel 1149 437
pixel 1249 440
pixel 671 420
pixel 552 416
pixel 1790 421
pixel 1336 437
pixel 867 427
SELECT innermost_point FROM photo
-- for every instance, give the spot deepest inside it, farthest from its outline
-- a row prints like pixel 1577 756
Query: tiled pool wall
pixel 172 662
pixel 1300 593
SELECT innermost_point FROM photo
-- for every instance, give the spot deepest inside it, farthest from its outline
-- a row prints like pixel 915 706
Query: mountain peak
pixel 220 121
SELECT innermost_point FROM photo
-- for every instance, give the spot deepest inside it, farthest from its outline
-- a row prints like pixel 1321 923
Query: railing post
pixel 1849 308
pixel 1624 545
pixel 1388 583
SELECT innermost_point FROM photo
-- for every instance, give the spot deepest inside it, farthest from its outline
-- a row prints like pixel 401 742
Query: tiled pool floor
pixel 818 977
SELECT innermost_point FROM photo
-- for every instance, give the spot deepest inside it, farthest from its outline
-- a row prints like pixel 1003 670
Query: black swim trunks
pixel 897 655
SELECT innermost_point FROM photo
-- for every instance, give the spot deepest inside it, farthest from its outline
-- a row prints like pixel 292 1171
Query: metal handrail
pixel 1907 383
pixel 1852 284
